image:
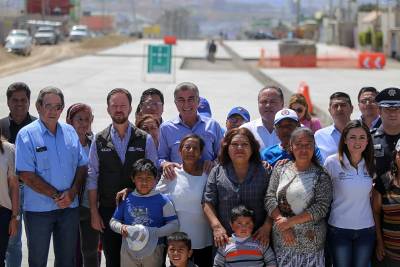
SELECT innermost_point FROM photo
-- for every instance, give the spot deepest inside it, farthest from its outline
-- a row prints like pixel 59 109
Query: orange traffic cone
pixel 304 90
pixel 261 60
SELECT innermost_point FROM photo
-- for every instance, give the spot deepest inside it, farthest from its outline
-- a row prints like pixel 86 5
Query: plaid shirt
pixel 224 192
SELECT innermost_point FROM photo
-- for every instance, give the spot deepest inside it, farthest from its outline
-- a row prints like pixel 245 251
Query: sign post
pixel 159 59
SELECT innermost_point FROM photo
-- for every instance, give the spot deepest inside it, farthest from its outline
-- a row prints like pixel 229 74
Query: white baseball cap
pixel 285 113
pixel 141 240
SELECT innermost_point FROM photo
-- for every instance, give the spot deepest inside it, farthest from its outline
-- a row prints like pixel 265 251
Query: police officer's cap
pixel 389 97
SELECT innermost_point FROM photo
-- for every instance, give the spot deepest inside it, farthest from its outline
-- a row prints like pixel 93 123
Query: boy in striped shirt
pixel 242 249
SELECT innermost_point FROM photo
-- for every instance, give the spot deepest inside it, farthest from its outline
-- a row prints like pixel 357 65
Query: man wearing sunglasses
pixel 52 163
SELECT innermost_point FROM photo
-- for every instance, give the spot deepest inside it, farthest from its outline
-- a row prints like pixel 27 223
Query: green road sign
pixel 159 59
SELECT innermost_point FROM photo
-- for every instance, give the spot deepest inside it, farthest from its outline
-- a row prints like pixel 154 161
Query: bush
pixel 377 40
pixel 364 38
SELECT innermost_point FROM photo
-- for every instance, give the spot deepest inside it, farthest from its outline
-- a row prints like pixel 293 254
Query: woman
pixel 299 104
pixel 150 125
pixel 298 199
pixel 386 207
pixel 239 178
pixel 9 197
pixel 351 230
pixel 80 116
pixel 186 192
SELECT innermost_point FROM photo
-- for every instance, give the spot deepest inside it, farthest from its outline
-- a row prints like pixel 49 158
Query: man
pixel 111 157
pixel 189 121
pixel 18 101
pixel 386 136
pixel 152 102
pixel 52 163
pixel 236 117
pixel 286 121
pixel 368 107
pixel 270 101
pixel 340 109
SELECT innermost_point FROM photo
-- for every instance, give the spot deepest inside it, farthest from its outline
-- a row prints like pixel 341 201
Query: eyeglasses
pixel 242 145
pixel 53 107
pixel 151 104
pixel 368 101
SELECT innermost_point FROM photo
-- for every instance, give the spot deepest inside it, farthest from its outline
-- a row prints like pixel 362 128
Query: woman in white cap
pixel 386 207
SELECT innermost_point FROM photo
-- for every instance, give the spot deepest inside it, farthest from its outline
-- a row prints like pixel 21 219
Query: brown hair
pixel 300 99
pixel 367 154
pixel 224 157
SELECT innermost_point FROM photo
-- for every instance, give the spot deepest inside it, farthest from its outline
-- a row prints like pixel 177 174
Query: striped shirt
pixel 247 252
pixel 391 215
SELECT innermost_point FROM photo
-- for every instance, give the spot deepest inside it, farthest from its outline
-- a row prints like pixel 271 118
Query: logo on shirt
pixel 344 176
pixel 133 149
pixel 140 215
pixel 105 149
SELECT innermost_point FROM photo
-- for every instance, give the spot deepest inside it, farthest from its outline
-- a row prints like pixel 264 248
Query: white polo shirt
pixel 262 135
pixel 351 204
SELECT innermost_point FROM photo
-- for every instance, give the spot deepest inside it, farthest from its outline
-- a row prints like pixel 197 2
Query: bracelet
pixel 56 195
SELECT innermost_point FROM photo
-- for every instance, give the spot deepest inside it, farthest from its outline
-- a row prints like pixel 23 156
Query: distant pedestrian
pixel 299 104
pixel 236 117
pixel 52 163
pixel 368 107
pixel 212 49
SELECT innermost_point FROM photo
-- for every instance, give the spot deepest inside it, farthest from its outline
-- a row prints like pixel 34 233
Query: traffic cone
pixel 304 90
pixel 261 60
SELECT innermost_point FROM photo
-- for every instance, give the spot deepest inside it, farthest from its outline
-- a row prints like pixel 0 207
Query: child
pixel 242 249
pixel 180 250
pixel 143 216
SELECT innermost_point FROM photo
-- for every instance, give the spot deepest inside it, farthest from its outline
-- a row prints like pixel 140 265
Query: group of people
pixel 278 190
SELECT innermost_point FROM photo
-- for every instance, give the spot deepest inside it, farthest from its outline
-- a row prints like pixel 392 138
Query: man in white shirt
pixel 270 101
pixel 327 139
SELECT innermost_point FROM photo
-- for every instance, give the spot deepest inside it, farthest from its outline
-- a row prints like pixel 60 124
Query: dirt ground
pixel 47 54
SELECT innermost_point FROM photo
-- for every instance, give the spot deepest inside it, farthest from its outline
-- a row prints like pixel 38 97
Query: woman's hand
pixel 288 237
pixel 262 234
pixel 283 223
pixel 380 249
pixel 96 221
pixel 121 195
pixel 13 227
pixel 124 230
pixel 220 236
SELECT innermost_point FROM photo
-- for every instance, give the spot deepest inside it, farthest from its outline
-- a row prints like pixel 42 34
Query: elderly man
pixel 327 139
pixel 386 136
pixel 270 101
pixel 52 163
pixel 111 158
pixel 18 101
pixel 189 121
pixel 368 107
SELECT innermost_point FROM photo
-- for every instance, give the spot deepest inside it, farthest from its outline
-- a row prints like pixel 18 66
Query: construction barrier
pixel 170 39
pixel 304 90
pixel 368 60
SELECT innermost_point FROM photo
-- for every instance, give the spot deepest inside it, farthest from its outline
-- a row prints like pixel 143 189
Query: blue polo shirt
pixel 171 133
pixel 275 153
pixel 55 158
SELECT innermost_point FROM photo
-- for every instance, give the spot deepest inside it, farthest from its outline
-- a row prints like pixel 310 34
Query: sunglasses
pixel 299 110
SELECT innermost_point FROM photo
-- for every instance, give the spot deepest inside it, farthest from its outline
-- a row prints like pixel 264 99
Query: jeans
pixel 63 224
pixel 89 239
pixel 14 250
pixel 111 241
pixel 5 217
pixel 351 248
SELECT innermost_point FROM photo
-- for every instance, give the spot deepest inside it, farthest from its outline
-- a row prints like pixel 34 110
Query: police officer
pixel 386 136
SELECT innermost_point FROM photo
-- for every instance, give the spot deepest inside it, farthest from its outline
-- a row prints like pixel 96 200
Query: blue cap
pixel 240 111
pixel 204 107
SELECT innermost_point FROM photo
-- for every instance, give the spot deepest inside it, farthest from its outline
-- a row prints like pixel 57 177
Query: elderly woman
pixel 299 104
pixel 386 208
pixel 80 116
pixel 298 199
pixel 186 192
pixel 240 178
pixel 9 197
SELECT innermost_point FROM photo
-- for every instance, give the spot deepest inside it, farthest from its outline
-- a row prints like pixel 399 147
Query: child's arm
pixel 116 220
pixel 219 260
pixel 171 220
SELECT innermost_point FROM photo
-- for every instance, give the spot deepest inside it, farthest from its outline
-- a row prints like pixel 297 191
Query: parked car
pixel 19 42
pixel 46 35
pixel 78 33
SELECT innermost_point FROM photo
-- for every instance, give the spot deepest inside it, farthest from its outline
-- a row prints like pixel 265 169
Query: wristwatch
pixel 17 217
pixel 56 195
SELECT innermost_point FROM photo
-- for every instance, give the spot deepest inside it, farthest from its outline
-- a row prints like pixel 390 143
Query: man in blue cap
pixel 204 107
pixel 236 117
pixel 385 137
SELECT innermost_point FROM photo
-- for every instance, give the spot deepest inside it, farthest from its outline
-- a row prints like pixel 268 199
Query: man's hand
pixel 65 199
pixel 208 165
pixel 96 221
pixel 380 250
pixel 168 169
pixel 220 236
pixel 262 235
pixel 13 227
pixel 121 195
